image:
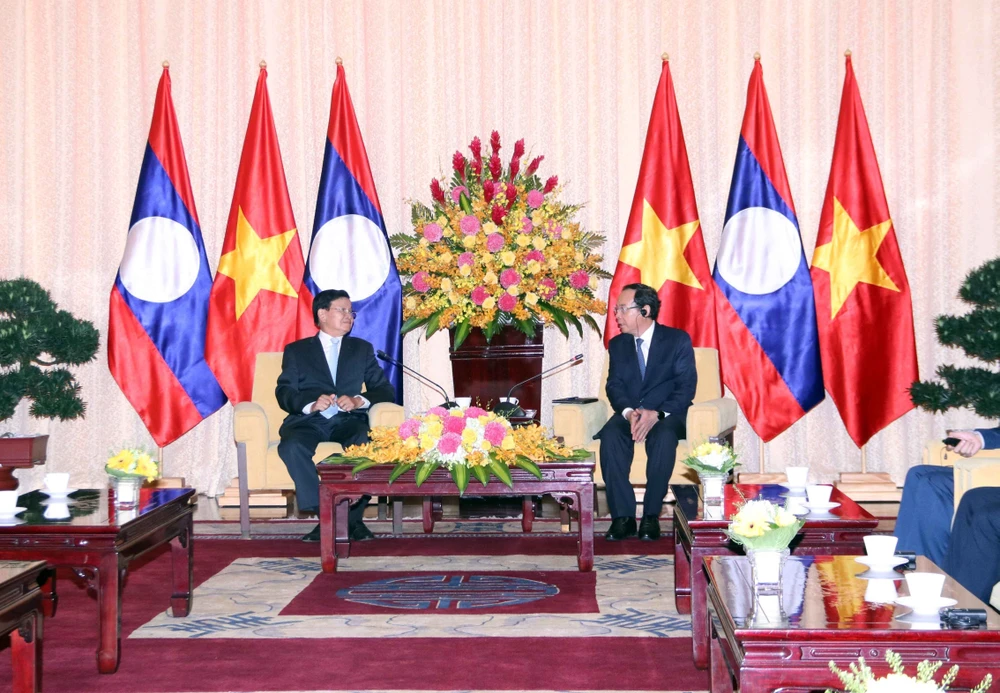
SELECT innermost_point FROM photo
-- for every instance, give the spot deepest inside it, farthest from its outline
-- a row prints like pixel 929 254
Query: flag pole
pixel 760 458
pixel 864 458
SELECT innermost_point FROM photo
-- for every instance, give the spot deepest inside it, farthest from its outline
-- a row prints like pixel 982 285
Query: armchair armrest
pixel 250 427
pixel 712 418
pixel 976 472
pixel 577 423
pixel 385 414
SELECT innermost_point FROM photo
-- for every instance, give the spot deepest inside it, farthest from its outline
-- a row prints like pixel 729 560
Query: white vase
pixel 766 566
pixel 126 490
pixel 713 485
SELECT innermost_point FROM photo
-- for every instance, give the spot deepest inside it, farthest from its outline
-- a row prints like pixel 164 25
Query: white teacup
pixel 57 482
pixel 818 494
pixel 797 476
pixel 881 591
pixel 880 547
pixel 56 511
pixel 8 502
pixel 464 402
pixel 925 586
pixel 509 400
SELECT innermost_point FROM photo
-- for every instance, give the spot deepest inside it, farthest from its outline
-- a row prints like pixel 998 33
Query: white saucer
pixel 794 490
pixel 7 521
pixel 802 511
pixel 925 607
pixel 880 575
pixel 10 516
pixel 882 565
pixel 829 505
pixel 920 621
pixel 59 494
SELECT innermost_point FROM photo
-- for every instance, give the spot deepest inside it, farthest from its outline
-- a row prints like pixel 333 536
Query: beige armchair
pixel 712 416
pixel 255 429
pixel 982 469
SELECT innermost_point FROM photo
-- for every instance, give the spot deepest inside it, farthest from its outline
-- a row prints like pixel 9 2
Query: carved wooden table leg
pixel 527 513
pixel 699 610
pixel 182 559
pixel 428 515
pixel 50 600
pixel 682 576
pixel 397 516
pixel 109 607
pixel 342 525
pixel 26 654
pixel 585 501
pixel 721 679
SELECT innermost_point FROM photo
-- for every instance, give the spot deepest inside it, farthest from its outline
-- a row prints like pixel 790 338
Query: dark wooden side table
pixel 570 481
pixel 98 541
pixel 21 617
pixel 697 535
pixel 827 619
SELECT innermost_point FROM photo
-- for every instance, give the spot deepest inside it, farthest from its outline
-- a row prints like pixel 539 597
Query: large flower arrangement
pixel 860 678
pixel 465 441
pixel 760 525
pixel 497 247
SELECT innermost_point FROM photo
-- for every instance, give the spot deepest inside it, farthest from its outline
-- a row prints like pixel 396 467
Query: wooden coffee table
pixel 697 535
pixel 827 618
pixel 98 541
pixel 571 482
pixel 21 617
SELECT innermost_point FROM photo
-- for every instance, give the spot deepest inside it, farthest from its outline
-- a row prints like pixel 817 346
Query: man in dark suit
pixel 967 547
pixel 651 383
pixel 320 388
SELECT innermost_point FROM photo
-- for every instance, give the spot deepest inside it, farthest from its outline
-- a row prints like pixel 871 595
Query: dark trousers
pixel 617 448
pixel 299 440
pixel 968 549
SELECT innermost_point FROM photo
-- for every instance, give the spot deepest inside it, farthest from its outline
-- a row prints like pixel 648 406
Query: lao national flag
pixel 350 248
pixel 767 321
pixel 159 302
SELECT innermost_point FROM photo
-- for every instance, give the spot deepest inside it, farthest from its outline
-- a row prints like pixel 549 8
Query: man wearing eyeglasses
pixel 651 384
pixel 320 388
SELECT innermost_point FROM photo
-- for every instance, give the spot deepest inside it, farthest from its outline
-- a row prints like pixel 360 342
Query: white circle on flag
pixel 161 260
pixel 760 251
pixel 350 252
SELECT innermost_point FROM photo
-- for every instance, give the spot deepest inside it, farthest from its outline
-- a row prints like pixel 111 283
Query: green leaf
pixel 413 323
pixel 557 318
pixel 418 212
pixel 481 473
pixel 526 326
pixel 460 473
pixel 527 465
pixel 502 472
pixel 572 319
pixel 593 325
pixel 491 329
pixel 424 470
pixel 361 466
pixel 400 469
pixel 461 332
pixel 465 203
pixel 432 324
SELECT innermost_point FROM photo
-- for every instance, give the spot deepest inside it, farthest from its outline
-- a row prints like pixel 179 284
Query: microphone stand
pixel 511 410
pixel 447 404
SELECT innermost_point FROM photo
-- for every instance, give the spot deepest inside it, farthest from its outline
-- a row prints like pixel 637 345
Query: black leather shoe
pixel 313 535
pixel 649 528
pixel 360 532
pixel 621 528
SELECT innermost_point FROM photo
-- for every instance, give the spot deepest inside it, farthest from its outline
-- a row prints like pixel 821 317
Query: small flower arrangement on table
pixel 497 247
pixel 133 462
pixel 860 678
pixel 470 441
pixel 760 525
pixel 712 458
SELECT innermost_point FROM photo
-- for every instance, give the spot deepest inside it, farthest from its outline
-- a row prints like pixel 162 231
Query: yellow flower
pixel 534 267
pixel 514 290
pixel 489 303
pixel 539 242
pixel 469 242
pixel 423 242
pixel 465 270
pixel 784 518
pixel 446 258
pixel 593 282
pixel 442 221
pixel 445 284
pixel 508 257
pixel 434 428
pixel 411 303
pixel 468 436
pixel 489 278
pixel 427 441
pixel 567 234
pixel 508 442
pixel 455 298
pixel 537 217
pixel 447 232
pixel 489 227
pixel 522 240
pixel 531 299
pixel 553 263
pixel 578 257
pixel 486 445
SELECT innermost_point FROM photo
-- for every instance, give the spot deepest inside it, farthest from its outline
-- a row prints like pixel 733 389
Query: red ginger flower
pixel 489 190
pixel 519 149
pixel 550 184
pixel 497 214
pixel 458 163
pixel 477 167
pixel 495 167
pixel 533 166
pixel 511 193
pixel 436 192
pixel 495 141
pixel 515 166
pixel 477 149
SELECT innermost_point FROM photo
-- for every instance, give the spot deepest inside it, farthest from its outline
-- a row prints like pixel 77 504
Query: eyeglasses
pixel 346 313
pixel 621 309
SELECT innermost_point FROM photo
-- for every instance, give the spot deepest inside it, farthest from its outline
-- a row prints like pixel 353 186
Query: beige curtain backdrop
pixel 574 79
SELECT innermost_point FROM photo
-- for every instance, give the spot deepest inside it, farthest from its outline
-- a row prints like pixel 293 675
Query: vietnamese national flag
pixel 255 297
pixel 159 302
pixel 863 306
pixel 663 245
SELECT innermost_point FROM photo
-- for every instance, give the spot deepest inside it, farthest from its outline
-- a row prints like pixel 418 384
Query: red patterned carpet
pixel 241 650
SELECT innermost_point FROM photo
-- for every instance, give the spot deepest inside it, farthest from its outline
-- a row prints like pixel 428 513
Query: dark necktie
pixel 642 359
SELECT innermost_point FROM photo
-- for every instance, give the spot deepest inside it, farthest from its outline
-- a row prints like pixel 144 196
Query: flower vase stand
pixel 570 481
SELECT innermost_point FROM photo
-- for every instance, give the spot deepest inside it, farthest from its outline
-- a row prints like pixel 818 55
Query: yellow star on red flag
pixel 659 254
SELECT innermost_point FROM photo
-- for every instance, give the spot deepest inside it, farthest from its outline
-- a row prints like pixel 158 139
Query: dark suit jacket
pixel 671 377
pixel 991 438
pixel 305 375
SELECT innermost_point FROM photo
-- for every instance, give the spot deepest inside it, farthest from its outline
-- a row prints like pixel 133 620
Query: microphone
pixel 448 404
pixel 509 409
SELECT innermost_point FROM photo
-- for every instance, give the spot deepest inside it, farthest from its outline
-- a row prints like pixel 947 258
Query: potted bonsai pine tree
pixel 36 340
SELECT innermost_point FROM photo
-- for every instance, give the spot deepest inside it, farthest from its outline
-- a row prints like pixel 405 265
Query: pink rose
pixel 549 291
pixel 527 225
pixel 456 193
pixel 495 432
pixel 494 242
pixel 409 428
pixel 466 259
pixel 507 303
pixel 579 279
pixel 479 295
pixel 433 233
pixel 474 412
pixel 509 277
pixel 437 411
pixel 469 225
pixel 534 255
pixel 420 282
pixel 449 442
pixel 535 198
pixel 454 424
